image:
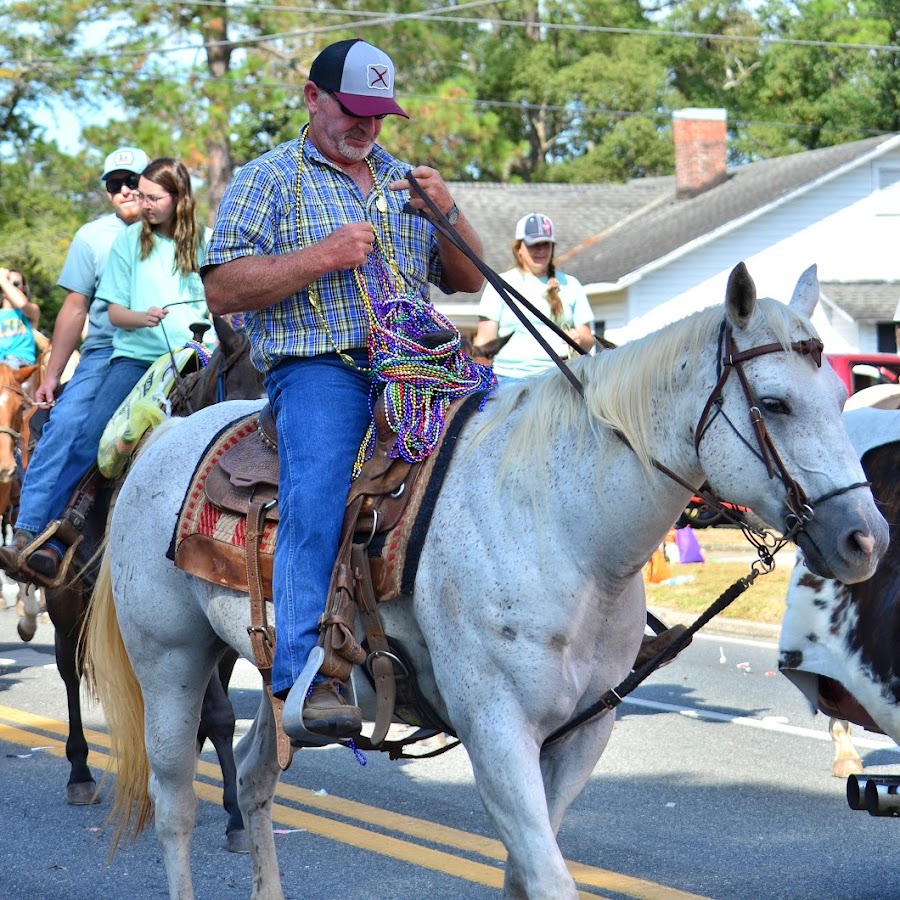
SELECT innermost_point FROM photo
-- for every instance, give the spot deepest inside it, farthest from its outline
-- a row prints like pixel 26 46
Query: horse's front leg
pixel 506 762
pixel 567 764
pixel 258 772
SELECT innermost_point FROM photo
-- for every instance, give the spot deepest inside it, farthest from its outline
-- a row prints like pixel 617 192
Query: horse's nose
pixel 865 547
pixel 7 474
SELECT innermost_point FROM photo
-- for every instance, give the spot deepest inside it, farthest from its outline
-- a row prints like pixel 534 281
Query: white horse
pixel 528 602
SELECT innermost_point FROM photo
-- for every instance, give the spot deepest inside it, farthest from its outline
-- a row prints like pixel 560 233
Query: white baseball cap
pixel 125 159
pixel 359 75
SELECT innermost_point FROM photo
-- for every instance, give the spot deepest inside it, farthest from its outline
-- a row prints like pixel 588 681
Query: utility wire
pixel 447 15
pixel 659 118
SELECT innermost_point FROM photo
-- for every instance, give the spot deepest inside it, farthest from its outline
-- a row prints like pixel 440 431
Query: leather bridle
pixel 800 509
pixel 26 401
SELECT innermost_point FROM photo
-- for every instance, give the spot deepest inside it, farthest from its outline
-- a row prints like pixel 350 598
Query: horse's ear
pixel 25 373
pixel 806 293
pixel 740 296
pixel 225 333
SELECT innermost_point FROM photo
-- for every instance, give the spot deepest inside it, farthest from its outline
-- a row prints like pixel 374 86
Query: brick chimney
pixel 700 137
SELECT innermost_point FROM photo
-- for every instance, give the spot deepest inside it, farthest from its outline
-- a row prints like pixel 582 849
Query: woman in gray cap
pixel 560 297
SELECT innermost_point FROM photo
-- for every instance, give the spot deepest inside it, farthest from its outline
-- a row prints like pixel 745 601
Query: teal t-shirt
pixel 139 284
pixel 16 337
pixel 523 355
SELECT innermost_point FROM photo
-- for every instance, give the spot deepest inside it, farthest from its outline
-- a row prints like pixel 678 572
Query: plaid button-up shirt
pixel 258 217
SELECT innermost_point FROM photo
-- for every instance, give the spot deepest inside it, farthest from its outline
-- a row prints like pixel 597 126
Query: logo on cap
pixel 539 226
pixel 379 77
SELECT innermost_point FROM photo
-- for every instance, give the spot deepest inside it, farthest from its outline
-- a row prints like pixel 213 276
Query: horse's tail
pixel 110 676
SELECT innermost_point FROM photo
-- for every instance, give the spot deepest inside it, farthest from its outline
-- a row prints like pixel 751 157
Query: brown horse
pixel 229 375
pixel 14 401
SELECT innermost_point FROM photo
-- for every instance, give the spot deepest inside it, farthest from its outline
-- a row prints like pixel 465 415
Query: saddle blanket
pixel 205 531
pixel 210 542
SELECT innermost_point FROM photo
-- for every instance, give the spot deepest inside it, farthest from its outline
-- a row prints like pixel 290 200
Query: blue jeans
pixel 322 408
pixel 70 412
pixel 121 376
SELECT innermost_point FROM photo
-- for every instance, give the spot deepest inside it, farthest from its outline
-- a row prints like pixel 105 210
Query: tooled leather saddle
pixel 228 528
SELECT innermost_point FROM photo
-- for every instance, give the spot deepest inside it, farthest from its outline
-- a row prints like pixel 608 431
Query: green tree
pixel 836 94
pixel 44 197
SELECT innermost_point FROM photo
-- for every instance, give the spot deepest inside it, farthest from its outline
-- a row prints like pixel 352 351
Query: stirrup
pixel 64 564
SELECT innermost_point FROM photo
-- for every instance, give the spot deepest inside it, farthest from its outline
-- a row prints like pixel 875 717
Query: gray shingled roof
pixel 579 212
pixel 606 231
pixel 672 224
pixel 875 300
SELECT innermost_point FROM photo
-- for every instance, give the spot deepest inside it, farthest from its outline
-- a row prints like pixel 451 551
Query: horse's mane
pixel 621 386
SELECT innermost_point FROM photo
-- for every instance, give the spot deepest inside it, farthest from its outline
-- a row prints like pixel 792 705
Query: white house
pixel 654 250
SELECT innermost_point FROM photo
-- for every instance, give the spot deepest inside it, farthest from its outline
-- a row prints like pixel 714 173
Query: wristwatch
pixel 453 214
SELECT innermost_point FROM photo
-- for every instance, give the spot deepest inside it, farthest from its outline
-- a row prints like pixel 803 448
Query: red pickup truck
pixel 862 370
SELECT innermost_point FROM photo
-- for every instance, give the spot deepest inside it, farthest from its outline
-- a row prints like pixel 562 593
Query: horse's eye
pixel 774 405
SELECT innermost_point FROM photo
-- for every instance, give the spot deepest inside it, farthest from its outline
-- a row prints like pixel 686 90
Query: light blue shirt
pixel 138 284
pixel 82 270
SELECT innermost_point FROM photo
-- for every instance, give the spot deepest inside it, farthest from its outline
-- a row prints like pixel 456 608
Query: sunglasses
pixel 114 185
pixel 346 111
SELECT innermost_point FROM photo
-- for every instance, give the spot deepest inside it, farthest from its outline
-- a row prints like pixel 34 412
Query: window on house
pixel 886 336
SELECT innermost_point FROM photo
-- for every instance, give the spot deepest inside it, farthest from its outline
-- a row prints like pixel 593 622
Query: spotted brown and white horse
pixel 840 644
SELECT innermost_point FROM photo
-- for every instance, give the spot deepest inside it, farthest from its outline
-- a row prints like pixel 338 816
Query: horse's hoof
pixel 27 627
pixel 84 793
pixel 238 841
pixel 844 768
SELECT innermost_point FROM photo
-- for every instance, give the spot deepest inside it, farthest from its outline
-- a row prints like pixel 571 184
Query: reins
pixel 800 510
pixel 506 291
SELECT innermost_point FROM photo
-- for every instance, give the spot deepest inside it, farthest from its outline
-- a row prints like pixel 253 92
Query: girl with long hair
pixel 152 285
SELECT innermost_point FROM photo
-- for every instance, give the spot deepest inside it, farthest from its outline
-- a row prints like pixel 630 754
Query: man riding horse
pixel 307 239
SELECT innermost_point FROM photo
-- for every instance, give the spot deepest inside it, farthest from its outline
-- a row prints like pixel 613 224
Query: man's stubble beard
pixel 356 154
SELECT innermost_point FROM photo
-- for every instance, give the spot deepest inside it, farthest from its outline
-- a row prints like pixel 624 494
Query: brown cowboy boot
pixel 9 556
pixel 651 644
pixel 326 712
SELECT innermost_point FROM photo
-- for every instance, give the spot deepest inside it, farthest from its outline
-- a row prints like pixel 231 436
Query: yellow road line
pixel 363 838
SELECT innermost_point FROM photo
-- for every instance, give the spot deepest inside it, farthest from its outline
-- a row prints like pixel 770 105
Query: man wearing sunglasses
pixel 80 277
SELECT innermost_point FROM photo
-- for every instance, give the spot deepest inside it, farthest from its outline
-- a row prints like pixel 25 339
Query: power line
pixel 659 118
pixel 446 15
pixel 548 26
pixel 371 21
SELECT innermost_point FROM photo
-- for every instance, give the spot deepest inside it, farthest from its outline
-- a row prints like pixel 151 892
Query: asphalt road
pixel 716 784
